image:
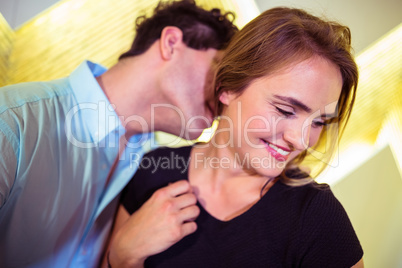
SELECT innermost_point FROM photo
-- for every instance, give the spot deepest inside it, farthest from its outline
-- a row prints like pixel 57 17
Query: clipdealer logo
pixel 109 129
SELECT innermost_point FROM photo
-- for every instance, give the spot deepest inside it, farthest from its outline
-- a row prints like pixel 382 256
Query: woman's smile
pixel 280 154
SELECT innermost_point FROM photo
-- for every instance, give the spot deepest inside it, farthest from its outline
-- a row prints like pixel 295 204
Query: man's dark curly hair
pixel 201 29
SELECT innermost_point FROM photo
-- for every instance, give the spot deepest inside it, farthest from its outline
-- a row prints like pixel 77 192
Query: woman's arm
pixel 162 221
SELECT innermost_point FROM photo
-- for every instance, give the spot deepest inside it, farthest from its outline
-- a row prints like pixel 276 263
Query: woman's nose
pixel 298 135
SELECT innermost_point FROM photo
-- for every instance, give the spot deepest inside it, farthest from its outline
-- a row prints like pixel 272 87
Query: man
pixel 69 146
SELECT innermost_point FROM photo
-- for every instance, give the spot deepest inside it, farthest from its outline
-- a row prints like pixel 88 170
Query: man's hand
pixel 162 221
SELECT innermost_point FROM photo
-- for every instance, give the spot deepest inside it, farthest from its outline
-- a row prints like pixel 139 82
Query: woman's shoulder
pixel 326 230
pixel 310 205
pixel 169 152
pixel 325 235
pixel 164 162
pixel 157 169
pixel 312 192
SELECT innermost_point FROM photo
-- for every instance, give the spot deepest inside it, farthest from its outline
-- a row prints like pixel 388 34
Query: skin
pixel 269 114
pixel 229 192
pixel 163 81
pixel 256 117
pixel 164 97
pixel 170 212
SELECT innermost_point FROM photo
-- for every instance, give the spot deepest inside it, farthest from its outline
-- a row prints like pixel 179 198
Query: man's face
pixel 191 92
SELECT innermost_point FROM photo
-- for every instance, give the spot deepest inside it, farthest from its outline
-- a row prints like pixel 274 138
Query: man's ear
pixel 171 37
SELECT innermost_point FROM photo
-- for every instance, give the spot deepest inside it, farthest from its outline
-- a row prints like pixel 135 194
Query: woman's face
pixel 280 115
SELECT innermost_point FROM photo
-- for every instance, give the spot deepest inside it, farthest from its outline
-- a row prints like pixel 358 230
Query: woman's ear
pixel 171 37
pixel 225 97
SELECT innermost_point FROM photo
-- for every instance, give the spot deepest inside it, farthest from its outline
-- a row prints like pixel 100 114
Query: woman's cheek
pixel 314 136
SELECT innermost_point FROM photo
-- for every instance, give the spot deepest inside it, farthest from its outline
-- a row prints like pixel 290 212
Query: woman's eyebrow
pixel 294 102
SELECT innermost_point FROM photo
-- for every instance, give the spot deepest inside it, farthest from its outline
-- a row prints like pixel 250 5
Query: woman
pixel 285 86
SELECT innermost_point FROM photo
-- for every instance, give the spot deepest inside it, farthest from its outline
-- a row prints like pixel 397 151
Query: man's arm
pixel 8 166
pixel 121 217
pixel 162 221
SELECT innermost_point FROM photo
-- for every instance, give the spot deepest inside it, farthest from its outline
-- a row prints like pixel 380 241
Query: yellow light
pixel 208 133
pixel 376 119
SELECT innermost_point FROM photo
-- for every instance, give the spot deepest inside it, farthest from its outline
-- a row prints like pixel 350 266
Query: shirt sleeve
pixel 328 238
pixel 8 161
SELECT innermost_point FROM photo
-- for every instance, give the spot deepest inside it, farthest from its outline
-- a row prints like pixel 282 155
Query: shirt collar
pixel 94 107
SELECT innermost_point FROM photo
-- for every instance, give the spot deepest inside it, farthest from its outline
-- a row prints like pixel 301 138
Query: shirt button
pixel 104 166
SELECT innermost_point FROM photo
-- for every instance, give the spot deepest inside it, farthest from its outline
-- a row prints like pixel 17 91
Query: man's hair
pixel 201 29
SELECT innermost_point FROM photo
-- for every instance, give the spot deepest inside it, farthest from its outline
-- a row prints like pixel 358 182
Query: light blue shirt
pixel 58 141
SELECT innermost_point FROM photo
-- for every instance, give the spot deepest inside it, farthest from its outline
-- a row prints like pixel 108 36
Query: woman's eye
pixel 319 123
pixel 284 112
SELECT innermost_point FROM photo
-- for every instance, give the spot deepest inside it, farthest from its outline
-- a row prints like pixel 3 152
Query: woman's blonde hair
pixel 276 39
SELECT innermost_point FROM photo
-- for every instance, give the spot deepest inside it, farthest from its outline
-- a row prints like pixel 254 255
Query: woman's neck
pixel 223 188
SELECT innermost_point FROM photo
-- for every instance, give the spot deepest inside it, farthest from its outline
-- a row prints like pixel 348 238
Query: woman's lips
pixel 279 154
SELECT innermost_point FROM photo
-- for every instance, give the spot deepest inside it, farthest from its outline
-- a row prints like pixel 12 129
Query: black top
pixel 288 227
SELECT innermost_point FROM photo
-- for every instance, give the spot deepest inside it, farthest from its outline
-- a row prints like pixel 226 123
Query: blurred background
pixel 47 39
